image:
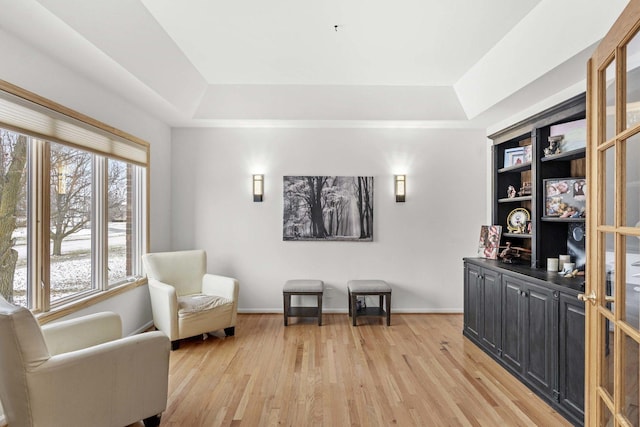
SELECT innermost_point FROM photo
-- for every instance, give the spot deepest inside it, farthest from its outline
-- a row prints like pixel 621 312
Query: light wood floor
pixel 418 372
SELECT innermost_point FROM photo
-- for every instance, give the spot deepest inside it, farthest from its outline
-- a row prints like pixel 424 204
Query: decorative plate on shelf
pixel 517 220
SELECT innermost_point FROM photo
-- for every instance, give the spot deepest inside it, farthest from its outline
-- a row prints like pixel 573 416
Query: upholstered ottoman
pixel 302 287
pixel 356 288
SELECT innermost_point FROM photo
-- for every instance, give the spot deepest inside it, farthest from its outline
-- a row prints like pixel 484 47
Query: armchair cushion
pixel 191 304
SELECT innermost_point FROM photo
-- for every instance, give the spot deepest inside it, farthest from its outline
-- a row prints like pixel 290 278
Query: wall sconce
pixel 258 187
pixel 400 185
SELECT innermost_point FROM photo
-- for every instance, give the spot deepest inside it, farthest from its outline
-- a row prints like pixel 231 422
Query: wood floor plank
pixel 420 371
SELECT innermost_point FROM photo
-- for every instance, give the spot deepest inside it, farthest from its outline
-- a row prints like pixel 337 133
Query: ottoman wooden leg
pixel 388 301
pixel 354 311
pixel 319 309
pixel 287 304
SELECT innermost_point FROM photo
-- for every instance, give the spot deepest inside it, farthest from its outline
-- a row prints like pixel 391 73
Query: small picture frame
pixel 513 156
pixel 528 154
pixel 489 243
pixel 565 197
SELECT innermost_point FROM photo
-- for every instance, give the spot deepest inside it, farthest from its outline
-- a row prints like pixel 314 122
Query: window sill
pixel 80 304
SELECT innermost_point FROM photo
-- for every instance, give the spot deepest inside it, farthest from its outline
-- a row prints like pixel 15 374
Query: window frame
pixel 38 173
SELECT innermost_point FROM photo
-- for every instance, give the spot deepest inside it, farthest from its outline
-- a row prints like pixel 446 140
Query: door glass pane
pixel 609 271
pixel 632 288
pixel 13 217
pixel 606 418
pixel 71 234
pixel 633 81
pixel 608 355
pixel 630 378
pixel 610 100
pixel 632 181
pixel 609 184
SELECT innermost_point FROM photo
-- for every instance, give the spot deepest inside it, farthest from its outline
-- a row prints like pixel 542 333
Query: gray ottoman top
pixel 368 286
pixel 303 286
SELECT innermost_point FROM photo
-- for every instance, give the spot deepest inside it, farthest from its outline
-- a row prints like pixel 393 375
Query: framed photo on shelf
pixel 565 197
pixel 489 241
pixel 513 156
pixel 574 134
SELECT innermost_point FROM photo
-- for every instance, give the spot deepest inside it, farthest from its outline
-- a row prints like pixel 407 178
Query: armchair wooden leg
pixel 175 345
pixel 231 331
pixel 153 421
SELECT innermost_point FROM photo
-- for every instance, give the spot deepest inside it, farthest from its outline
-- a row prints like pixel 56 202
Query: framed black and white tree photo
pixel 336 208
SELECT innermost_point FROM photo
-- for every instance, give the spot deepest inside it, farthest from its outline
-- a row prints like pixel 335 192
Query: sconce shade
pixel 258 187
pixel 400 187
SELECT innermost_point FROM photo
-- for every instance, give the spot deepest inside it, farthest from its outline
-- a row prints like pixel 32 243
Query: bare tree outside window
pixel 120 218
pixel 13 211
pixel 71 203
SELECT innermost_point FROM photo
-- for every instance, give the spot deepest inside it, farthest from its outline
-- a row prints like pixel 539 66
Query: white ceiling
pixel 424 63
pixel 377 42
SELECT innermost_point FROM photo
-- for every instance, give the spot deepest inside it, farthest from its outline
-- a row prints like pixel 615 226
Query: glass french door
pixel 612 297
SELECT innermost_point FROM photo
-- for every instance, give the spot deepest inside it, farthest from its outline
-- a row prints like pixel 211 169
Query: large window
pixel 72 211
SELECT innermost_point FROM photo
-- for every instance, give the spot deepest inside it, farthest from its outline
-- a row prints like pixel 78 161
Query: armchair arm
pixel 226 287
pixel 164 305
pixel 82 332
pixel 115 383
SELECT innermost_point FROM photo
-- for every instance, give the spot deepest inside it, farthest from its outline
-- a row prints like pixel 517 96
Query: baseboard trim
pixel 140 330
pixel 345 311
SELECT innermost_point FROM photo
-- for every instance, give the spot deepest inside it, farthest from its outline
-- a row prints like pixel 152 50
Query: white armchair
pixel 187 301
pixel 79 372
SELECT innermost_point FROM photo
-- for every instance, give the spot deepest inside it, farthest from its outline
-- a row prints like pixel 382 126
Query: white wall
pixel 417 247
pixel 33 70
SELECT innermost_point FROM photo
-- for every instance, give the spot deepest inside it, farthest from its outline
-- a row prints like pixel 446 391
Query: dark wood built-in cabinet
pixel 525 317
pixel 533 325
pixel 571 355
pixel 482 314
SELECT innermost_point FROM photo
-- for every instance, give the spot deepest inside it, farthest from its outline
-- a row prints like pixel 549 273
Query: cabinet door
pixel 571 355
pixel 472 300
pixel 512 322
pixel 540 337
pixel 490 331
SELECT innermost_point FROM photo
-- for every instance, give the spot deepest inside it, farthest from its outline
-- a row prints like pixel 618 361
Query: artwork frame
pixel 573 135
pixel 328 208
pixel 513 156
pixel 489 242
pixel 565 197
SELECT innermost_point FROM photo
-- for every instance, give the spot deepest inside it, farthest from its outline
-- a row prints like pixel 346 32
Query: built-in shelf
pixel 549 236
pixel 557 219
pixel 517 235
pixel 516 168
pixel 515 199
pixel 569 155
